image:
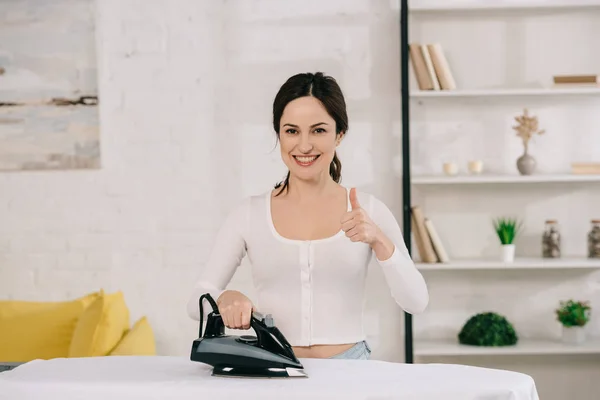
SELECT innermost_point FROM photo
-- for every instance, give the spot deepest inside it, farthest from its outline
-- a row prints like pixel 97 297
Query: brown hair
pixel 328 92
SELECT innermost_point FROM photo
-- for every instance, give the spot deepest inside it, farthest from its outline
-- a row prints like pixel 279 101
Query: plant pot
pixel 526 164
pixel 573 334
pixel 508 253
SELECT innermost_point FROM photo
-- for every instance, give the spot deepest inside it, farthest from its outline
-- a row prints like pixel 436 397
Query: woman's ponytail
pixel 335 168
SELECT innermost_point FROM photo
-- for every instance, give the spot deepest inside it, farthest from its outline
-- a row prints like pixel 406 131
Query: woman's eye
pixel 320 130
pixel 291 131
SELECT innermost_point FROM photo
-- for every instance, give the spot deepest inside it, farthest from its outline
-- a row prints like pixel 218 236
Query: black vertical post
pixel 406 201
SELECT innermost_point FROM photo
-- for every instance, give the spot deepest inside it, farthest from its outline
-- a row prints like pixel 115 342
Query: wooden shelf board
pixel 451 347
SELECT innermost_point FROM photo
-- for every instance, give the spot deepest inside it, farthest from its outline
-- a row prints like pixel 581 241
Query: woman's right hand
pixel 235 309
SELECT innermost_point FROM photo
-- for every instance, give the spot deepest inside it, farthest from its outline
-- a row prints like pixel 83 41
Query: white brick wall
pixel 185 111
pixel 186 92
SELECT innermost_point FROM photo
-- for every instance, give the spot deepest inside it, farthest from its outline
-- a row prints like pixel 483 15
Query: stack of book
pixel 431 249
pixel 431 67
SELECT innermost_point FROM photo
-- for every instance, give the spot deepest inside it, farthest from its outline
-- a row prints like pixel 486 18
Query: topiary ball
pixel 488 329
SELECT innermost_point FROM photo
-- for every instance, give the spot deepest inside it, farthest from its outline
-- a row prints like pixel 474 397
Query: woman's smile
pixel 306 161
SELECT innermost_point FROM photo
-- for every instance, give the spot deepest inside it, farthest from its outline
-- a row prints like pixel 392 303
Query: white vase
pixel 508 253
pixel 573 334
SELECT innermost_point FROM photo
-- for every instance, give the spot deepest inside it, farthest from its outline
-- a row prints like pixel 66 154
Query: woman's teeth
pixel 305 160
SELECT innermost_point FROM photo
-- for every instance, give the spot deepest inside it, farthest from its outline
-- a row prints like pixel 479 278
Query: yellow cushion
pixel 9 308
pixel 139 341
pixel 36 330
pixel 101 326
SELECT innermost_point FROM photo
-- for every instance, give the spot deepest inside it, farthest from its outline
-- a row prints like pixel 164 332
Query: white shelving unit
pixel 525 346
pixel 519 263
pixel 500 178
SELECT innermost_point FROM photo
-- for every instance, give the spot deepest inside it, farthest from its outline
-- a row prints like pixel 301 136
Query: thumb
pixel 354 199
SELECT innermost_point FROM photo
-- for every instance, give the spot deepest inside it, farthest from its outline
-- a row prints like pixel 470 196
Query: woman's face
pixel 307 138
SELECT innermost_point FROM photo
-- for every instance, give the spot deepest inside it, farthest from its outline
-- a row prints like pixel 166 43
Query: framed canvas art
pixel 48 85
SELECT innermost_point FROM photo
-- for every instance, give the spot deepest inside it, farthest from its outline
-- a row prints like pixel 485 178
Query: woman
pixel 310 240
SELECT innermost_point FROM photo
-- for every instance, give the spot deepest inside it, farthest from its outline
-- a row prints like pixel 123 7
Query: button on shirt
pixel 314 289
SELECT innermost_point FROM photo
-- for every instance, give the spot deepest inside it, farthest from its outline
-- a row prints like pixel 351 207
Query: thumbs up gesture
pixel 356 223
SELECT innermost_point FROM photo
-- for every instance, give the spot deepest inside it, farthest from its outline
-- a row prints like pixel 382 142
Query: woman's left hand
pixel 357 224
pixel 359 227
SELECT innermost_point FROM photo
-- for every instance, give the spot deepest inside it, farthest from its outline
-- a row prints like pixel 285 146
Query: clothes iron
pixel 266 355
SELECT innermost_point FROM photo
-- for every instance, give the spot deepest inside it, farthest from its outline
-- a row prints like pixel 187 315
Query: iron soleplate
pixel 245 372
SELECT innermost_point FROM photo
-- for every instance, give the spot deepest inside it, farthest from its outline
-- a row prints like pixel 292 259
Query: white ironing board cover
pixel 162 377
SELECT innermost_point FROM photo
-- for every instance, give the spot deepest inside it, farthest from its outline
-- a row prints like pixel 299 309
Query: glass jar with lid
pixel 551 239
pixel 593 239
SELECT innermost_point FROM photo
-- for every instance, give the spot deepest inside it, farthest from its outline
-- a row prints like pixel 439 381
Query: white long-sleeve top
pixel 314 289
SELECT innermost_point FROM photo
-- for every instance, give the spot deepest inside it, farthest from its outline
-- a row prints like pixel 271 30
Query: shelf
pixel 451 347
pixel 541 91
pixel 501 178
pixel 458 93
pixel 466 5
pixel 519 263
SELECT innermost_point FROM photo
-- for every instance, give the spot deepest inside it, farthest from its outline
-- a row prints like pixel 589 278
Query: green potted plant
pixel 488 329
pixel 573 315
pixel 507 230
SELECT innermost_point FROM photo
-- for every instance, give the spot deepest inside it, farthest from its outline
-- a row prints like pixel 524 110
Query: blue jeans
pixel 360 351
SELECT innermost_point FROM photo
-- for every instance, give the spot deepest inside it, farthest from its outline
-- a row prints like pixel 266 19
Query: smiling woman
pixel 310 240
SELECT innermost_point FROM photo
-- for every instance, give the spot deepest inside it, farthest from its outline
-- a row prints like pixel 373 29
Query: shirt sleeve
pixel 407 285
pixel 229 248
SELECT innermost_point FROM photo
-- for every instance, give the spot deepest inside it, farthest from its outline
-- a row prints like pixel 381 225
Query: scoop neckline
pixel 284 239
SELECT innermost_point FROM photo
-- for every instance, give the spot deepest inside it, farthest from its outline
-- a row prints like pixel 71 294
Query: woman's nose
pixel 305 146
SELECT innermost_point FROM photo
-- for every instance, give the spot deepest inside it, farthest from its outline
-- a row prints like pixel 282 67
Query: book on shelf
pixel 430 247
pixel 438 247
pixel 424 80
pixel 576 79
pixel 591 80
pixel 585 168
pixel 430 67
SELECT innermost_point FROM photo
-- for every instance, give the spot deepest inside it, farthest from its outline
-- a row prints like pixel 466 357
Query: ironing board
pixel 156 377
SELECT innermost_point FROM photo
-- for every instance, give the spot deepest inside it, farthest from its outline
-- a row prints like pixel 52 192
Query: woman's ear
pixel 339 138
